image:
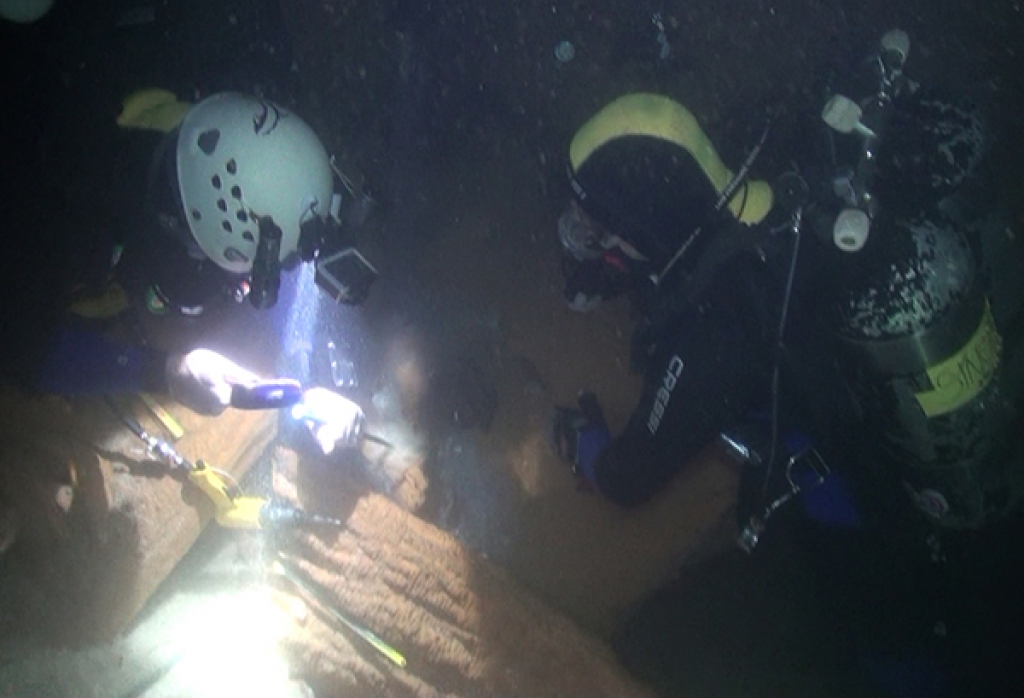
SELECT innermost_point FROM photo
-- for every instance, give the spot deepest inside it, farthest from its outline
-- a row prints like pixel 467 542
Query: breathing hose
pixel 780 346
pixel 724 197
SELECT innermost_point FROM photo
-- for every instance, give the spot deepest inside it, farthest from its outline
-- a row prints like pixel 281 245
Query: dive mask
pixel 580 235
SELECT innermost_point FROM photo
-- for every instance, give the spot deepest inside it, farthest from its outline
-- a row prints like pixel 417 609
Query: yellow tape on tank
pixel 958 379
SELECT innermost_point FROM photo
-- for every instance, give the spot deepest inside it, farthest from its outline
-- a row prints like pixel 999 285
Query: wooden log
pixel 465 627
pixel 99 523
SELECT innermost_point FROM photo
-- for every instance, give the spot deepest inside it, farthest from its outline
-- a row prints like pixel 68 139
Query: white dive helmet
pixel 238 156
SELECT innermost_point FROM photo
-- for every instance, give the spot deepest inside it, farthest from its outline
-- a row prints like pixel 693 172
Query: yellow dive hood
pixel 656 116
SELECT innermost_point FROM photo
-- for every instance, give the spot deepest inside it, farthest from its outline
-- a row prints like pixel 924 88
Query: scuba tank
pixel 923 356
pixel 922 351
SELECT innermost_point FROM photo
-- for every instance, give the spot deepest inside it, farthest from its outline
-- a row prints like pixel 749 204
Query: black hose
pixel 157 447
pixel 132 425
pixel 780 348
pixel 728 191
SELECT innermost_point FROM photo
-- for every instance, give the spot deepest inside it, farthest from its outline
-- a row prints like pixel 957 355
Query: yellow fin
pixel 152 109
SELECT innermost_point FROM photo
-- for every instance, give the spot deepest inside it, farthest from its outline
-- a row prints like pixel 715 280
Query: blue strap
pixel 831 502
pixel 590 441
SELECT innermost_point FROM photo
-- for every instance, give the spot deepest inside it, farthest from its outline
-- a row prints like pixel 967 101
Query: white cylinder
pixel 896 40
pixel 850 232
pixel 842 114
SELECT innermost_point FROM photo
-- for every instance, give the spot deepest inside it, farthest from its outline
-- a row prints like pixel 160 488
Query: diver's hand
pixel 333 420
pixel 202 380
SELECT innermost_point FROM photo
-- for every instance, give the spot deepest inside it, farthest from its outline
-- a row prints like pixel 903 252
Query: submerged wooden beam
pixel 100 524
pixel 464 626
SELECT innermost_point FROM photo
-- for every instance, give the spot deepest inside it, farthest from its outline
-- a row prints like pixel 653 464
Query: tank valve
pixel 844 115
pixel 850 232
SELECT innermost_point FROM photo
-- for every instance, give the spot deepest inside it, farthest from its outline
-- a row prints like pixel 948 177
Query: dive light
pixel 266 268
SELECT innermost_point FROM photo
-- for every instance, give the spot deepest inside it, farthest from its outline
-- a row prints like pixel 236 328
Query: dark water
pixel 816 612
pixel 410 86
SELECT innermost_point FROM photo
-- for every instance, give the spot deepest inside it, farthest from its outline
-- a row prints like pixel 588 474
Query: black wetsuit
pixel 710 367
pixel 708 348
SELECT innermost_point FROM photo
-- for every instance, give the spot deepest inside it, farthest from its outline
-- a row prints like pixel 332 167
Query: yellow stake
pixel 368 635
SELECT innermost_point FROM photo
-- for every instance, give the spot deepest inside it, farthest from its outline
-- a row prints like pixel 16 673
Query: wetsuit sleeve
pixel 81 361
pixel 700 381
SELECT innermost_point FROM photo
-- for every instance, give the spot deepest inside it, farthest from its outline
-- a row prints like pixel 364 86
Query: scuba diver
pixel 650 200
pixel 162 207
pixel 891 283
pixel 166 205
pixel 845 346
pixel 240 189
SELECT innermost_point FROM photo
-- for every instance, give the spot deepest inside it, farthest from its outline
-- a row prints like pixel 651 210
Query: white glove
pixel 202 380
pixel 333 420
